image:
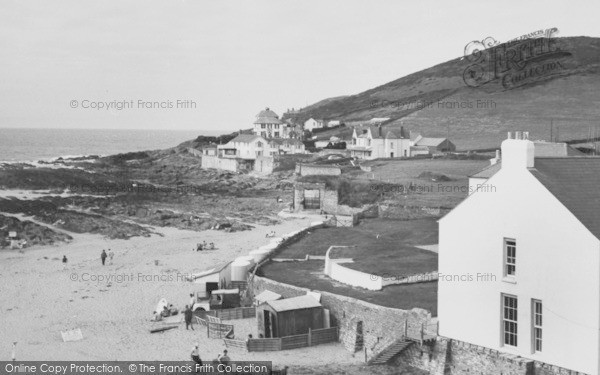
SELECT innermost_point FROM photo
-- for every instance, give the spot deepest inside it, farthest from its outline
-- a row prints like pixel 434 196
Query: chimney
pixel 509 135
pixel 518 135
pixel 517 154
pixel 495 159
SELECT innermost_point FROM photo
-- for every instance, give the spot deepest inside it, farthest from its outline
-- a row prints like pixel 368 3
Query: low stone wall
pixel 219 163
pixel 317 170
pixel 452 357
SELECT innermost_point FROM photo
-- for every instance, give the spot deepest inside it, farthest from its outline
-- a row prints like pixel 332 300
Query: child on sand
pixel 103 256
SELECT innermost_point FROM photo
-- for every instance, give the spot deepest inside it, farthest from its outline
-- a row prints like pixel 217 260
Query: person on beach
pixel 111 255
pixel 224 359
pixel 192 300
pixel 103 256
pixel 64 260
pixel 188 317
pixel 196 355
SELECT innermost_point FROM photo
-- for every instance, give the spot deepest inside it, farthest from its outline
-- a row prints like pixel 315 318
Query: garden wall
pixel 219 163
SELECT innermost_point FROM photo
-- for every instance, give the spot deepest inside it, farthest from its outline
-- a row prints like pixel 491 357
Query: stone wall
pixel 452 357
pixel 265 164
pixel 317 170
pixel 219 163
pixel 381 325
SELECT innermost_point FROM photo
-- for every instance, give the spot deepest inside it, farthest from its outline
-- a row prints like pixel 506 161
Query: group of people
pixel 224 359
pixel 205 246
pixel 270 234
pixel 110 256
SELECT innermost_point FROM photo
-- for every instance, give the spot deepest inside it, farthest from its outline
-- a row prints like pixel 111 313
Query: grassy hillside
pixel 569 98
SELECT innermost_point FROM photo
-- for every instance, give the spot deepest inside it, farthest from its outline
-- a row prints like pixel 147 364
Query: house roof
pixel 542 149
pixel 574 182
pixel 245 138
pixel 430 142
pixel 295 303
pixel 267 295
pixel 488 171
pixel 267 117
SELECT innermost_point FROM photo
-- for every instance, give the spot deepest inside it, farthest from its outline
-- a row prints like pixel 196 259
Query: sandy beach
pixel 42 297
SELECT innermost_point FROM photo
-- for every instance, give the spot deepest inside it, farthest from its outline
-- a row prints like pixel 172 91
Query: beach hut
pixel 290 316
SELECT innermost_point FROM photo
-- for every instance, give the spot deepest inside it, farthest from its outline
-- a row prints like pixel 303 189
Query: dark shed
pixel 290 316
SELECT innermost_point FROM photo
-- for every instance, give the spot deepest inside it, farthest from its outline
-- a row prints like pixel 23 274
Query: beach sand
pixel 41 297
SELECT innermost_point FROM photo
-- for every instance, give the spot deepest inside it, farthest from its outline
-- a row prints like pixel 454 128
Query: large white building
pixel 268 125
pixel 246 146
pixel 520 263
pixel 369 142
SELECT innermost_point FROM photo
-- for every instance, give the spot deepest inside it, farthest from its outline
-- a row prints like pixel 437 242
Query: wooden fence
pixel 312 338
pixel 215 329
pixel 237 313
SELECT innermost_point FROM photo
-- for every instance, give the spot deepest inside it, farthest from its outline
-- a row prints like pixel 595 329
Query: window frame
pixel 537 326
pixel 507 333
pixel 509 260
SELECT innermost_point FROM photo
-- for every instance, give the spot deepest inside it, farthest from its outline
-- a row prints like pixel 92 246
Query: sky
pixel 213 65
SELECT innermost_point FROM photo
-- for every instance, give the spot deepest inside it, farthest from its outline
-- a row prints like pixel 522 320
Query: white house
pixel 246 146
pixel 520 264
pixel 312 124
pixel 369 142
pixel 268 125
pixel 541 149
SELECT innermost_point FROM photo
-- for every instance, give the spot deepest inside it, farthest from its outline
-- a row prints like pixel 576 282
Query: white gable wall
pixel 557 262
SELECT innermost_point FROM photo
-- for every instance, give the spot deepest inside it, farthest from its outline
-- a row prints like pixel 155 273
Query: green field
pixel 383 247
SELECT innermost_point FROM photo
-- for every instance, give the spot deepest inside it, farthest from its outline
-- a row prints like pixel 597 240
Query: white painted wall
pixel 557 262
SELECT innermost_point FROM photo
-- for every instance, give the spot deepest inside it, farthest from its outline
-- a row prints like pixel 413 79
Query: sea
pixel 30 145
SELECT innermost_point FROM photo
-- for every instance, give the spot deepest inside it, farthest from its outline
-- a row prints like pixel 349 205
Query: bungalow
pixel 312 124
pixel 369 142
pixel 519 266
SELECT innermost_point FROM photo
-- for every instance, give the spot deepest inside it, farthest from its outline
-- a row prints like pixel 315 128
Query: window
pixel 509 320
pixel 536 312
pixel 392 144
pixel 510 257
pixel 262 126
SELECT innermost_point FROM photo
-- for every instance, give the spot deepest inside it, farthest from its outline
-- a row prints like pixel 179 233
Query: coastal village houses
pixel 519 265
pixel 370 142
pixel 312 124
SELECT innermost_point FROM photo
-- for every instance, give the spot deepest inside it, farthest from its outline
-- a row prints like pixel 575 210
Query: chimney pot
pixel 509 135
pixel 525 135
pixel 519 135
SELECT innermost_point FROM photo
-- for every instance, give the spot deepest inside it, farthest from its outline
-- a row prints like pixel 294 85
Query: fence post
pixel 309 337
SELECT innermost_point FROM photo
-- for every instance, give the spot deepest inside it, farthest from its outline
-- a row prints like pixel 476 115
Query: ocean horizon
pixel 31 144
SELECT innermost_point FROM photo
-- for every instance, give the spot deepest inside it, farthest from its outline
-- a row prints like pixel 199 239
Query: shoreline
pixel 114 316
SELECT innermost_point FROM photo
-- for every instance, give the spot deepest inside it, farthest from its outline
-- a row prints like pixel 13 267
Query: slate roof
pixel 488 171
pixel 295 303
pixel 245 138
pixel 575 182
pixel 267 117
pixel 267 295
pixel 430 142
